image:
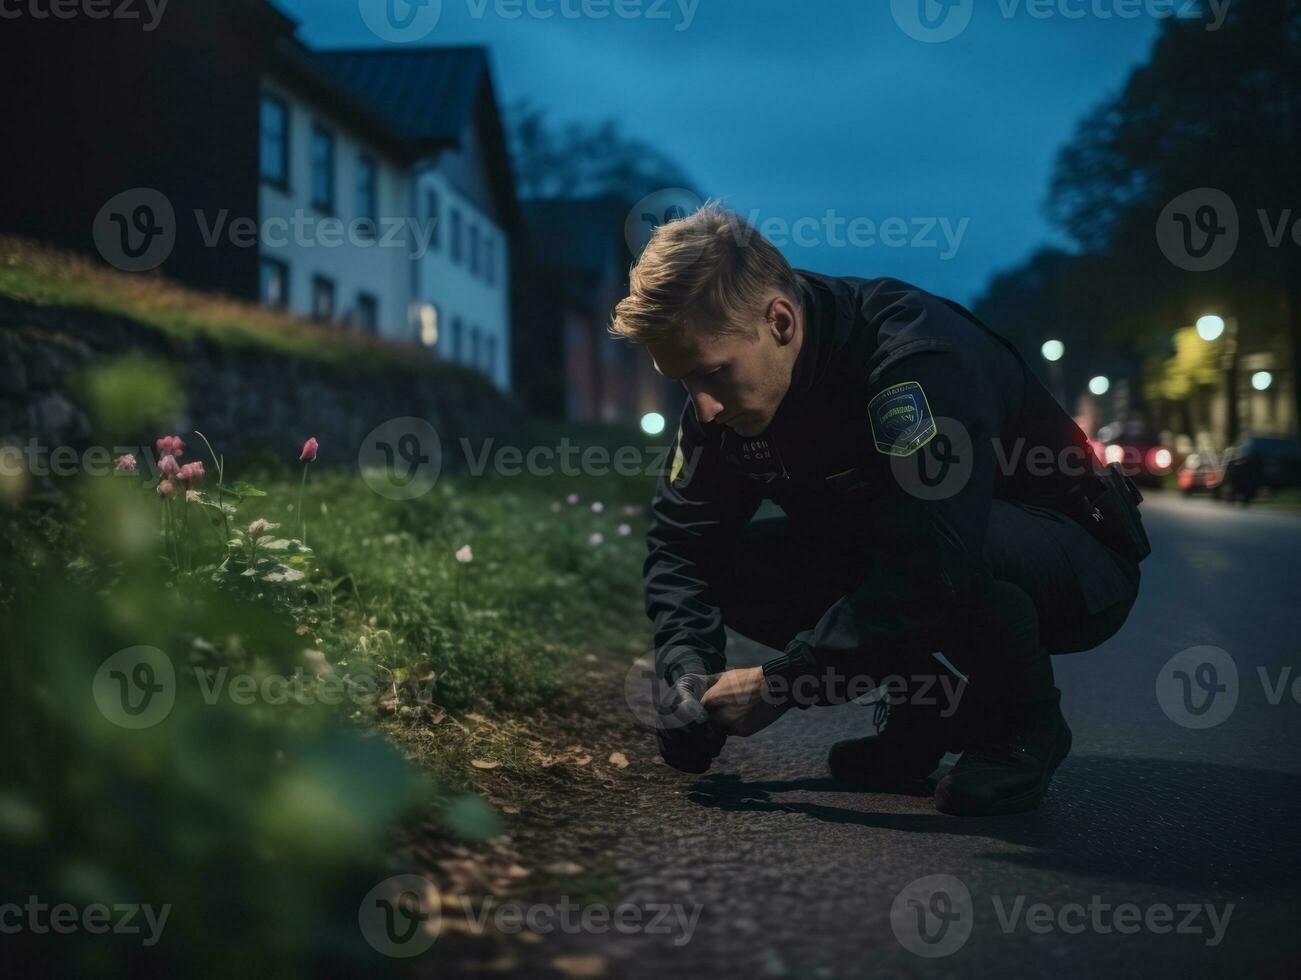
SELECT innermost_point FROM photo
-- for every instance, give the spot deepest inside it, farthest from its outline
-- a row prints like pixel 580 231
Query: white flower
pixel 625 530
pixel 260 527
pixel 596 538
pixel 597 507
pixel 572 499
pixel 465 554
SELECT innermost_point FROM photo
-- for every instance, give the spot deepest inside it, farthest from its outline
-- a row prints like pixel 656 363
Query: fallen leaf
pixel 618 759
pixel 582 760
pixel 590 965
pixel 565 868
pixel 484 764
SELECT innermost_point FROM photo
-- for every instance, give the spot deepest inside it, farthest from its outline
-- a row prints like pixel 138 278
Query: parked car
pixel 1260 463
pixel 1141 455
pixel 1202 470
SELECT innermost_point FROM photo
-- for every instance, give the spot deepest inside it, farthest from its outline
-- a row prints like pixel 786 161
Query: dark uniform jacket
pixel 905 418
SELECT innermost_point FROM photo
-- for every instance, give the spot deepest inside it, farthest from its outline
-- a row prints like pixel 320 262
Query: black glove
pixel 688 740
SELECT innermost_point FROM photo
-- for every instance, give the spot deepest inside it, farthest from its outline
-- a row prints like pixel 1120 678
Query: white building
pixel 386 199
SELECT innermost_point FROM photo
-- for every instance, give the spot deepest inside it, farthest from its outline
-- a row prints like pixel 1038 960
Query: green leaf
pixel 242 489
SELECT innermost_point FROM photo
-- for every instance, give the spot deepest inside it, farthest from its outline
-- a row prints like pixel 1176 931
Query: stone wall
pixel 249 402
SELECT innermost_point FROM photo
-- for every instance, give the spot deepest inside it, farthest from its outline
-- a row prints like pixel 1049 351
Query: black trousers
pixel 1053 587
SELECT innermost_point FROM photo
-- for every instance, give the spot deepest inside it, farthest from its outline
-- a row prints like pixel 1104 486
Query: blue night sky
pixel 796 108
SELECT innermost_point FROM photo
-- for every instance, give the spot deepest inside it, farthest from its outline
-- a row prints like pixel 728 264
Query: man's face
pixel 736 380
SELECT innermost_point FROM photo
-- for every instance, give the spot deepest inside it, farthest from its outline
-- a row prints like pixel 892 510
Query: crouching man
pixel 937 500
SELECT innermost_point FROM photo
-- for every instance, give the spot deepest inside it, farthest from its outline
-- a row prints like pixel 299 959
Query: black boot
pixel 908 746
pixel 1011 773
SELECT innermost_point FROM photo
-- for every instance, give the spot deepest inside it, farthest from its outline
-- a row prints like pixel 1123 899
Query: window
pixel 490 259
pixel 474 346
pixel 456 338
pixel 434 217
pixel 322 298
pixel 275 141
pixel 474 250
pixel 456 235
pixel 368 312
pixel 490 356
pixel 322 169
pixel 275 284
pixel 367 197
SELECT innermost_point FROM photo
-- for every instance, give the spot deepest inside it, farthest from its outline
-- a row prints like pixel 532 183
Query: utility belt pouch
pixel 1114 518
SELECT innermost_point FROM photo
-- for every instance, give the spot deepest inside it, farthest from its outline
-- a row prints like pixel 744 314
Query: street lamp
pixel 1210 327
pixel 1100 384
pixel 1052 351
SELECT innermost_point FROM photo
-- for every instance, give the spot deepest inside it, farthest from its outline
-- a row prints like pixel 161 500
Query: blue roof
pixel 425 95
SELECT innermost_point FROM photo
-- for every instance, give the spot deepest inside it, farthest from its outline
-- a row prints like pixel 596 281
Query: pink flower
pixel 191 472
pixel 168 466
pixel 309 451
pixel 465 554
pixel 125 463
pixel 170 446
pixel 166 488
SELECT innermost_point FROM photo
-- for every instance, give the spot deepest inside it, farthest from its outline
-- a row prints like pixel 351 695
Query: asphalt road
pixel 1161 850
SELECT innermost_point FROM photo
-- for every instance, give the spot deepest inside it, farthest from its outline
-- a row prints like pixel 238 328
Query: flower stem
pixel 302 518
pixel 221 476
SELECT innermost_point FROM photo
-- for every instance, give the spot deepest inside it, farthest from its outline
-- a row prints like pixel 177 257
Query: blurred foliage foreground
pixel 198 704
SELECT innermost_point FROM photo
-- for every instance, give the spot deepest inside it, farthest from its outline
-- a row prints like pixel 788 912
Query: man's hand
pixel 689 741
pixel 739 702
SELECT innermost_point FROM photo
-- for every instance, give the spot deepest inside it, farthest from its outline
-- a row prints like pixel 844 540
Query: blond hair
pixel 711 270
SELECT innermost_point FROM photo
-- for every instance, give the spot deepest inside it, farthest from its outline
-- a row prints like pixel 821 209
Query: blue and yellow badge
pixel 901 419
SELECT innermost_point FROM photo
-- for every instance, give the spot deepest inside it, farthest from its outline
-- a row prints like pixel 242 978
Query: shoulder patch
pixel 901 419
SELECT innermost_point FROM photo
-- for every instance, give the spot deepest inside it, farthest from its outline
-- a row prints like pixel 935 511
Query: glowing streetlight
pixel 1261 380
pixel 1100 384
pixel 1052 350
pixel 1210 327
pixel 652 423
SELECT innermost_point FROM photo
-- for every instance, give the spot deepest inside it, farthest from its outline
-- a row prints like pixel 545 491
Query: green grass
pixel 38 274
pixel 500 631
